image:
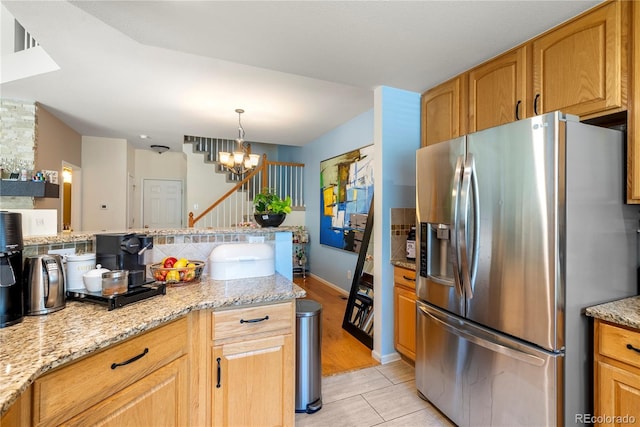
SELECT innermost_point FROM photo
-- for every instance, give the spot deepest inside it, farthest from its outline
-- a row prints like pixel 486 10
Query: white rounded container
pixel 93 279
pixel 77 266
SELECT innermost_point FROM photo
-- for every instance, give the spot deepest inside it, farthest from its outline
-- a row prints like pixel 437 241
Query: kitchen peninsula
pixel 189 343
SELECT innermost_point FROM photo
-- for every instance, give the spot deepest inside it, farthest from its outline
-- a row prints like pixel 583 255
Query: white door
pixel 162 203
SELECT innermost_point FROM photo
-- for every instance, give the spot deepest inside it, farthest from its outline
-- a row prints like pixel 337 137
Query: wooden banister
pixel 262 167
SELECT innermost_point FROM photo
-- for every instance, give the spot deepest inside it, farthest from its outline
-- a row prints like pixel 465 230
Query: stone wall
pixel 18 136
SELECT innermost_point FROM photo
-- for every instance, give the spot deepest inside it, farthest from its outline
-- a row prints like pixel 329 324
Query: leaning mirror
pixel 358 316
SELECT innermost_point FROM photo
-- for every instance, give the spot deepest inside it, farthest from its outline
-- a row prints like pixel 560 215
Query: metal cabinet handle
pixel 219 373
pixel 518 109
pixel 630 347
pixel 411 279
pixel 133 359
pixel 254 320
pixel 535 104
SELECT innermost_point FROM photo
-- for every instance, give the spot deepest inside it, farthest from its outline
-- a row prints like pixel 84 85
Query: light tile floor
pixel 384 395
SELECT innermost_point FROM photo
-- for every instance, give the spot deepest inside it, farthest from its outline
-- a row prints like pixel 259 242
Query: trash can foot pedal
pixel 314 406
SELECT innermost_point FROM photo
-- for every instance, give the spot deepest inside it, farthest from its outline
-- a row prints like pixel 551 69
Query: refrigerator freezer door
pixel 517 170
pixel 436 187
pixel 477 377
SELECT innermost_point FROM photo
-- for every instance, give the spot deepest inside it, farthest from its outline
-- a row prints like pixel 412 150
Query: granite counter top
pixel 41 343
pixel 404 263
pixel 625 312
pixel 89 235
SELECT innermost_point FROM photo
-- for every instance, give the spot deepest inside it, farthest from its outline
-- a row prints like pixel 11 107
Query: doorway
pixel 162 203
pixel 71 218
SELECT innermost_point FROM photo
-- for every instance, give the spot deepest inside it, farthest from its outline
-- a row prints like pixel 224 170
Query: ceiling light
pixel 159 148
pixel 240 161
pixel 143 136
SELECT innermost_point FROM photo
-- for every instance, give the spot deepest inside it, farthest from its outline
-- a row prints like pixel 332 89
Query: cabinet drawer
pixel 73 388
pixel 242 322
pixel 404 277
pixel 614 342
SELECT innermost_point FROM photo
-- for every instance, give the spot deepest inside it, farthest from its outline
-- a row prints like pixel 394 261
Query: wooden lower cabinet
pixel 617 375
pixel 404 305
pixel 233 367
pixel 253 366
pixel 159 399
pixel 253 383
pixel 141 381
pixel 19 413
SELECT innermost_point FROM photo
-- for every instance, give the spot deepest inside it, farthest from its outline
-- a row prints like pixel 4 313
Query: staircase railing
pixel 236 205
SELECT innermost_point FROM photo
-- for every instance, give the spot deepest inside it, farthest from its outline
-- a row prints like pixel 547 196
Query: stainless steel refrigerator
pixel 521 227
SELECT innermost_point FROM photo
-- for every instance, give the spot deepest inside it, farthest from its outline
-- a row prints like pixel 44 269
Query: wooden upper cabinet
pixel 441 114
pixel 498 91
pixel 633 114
pixel 578 67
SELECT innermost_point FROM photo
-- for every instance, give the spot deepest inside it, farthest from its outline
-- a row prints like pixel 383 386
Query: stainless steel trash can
pixel 308 353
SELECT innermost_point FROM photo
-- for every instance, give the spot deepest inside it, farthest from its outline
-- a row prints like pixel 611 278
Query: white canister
pixel 77 265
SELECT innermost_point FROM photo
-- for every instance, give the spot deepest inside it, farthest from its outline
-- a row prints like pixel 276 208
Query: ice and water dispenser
pixel 435 252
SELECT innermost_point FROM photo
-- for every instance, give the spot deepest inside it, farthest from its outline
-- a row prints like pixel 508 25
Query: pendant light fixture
pixel 241 160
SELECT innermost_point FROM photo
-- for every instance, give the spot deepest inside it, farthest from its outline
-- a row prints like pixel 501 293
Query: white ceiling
pixel 298 68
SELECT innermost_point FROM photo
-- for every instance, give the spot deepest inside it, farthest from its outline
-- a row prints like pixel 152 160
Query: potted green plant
pixel 269 209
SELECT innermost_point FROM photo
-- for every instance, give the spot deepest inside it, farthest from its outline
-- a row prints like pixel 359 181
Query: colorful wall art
pixel 346 190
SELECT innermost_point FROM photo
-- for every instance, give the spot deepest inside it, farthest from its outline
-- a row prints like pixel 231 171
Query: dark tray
pixel 120 300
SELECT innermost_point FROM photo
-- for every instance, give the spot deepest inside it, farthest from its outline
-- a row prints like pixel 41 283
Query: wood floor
pixel 341 351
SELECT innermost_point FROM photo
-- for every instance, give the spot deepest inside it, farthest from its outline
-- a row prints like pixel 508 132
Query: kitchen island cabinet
pixel 254 346
pixel 143 379
pixel 60 364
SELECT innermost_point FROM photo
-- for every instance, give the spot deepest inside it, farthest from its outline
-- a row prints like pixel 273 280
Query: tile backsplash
pixel 402 219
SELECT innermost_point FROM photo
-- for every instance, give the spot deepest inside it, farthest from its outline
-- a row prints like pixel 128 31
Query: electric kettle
pixel 44 289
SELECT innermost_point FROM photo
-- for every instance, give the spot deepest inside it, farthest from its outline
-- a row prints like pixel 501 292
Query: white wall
pixel 104 175
pixel 204 185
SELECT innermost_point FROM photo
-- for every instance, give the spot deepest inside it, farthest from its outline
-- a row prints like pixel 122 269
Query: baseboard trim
pixel 329 284
pixel 387 358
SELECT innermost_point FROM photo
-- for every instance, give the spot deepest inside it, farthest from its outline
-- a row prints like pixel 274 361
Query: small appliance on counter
pixel 121 253
pixel 11 244
pixel 76 267
pixel 44 284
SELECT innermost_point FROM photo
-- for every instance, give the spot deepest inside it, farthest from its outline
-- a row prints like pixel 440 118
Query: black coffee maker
pixel 121 251
pixel 11 292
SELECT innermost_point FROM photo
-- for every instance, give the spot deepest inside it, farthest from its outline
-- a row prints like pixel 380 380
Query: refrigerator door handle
pixel 455 196
pixel 467 191
pixel 482 338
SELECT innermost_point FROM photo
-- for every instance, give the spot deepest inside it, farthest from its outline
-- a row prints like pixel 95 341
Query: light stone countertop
pixel 89 235
pixel 404 263
pixel 41 343
pixel 625 312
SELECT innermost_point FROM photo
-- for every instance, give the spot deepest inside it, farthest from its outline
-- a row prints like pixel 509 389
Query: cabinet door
pixel 619 394
pixel 159 399
pixel 442 118
pixel 578 67
pixel 633 130
pixel 253 383
pixel 405 324
pixel 497 91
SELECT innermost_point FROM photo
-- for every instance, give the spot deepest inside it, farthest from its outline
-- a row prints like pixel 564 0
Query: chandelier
pixel 241 160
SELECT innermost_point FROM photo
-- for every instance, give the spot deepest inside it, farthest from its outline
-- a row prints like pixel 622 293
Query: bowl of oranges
pixel 177 271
